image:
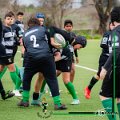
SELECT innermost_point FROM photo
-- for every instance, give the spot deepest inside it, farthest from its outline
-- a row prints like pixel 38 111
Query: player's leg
pixel 95 79
pixel 5 95
pixel 28 74
pixel 87 90
pixel 37 88
pixel 51 79
pixel 106 94
pixel 2 70
pixel 15 78
pixel 70 87
pixel 72 72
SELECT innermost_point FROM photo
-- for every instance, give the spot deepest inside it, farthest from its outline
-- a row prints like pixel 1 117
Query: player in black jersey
pixel 112 68
pixel 9 94
pixel 65 61
pixel 105 43
pixel 68 26
pixel 9 41
pixel 39 58
pixel 19 22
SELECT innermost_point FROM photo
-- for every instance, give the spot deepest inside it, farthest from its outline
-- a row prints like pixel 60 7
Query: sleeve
pixel 104 41
pixel 54 30
pixel 18 31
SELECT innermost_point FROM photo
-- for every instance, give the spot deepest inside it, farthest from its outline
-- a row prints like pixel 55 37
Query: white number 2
pixel 33 38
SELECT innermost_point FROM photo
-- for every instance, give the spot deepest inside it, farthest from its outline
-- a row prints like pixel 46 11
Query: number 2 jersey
pixel 35 43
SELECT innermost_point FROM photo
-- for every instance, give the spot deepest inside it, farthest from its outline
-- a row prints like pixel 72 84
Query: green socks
pixel 71 89
pixel 57 100
pixel 25 96
pixel 2 72
pixel 16 80
pixel 107 104
pixel 118 106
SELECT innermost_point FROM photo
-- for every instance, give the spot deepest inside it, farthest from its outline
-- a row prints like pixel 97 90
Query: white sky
pixel 28 2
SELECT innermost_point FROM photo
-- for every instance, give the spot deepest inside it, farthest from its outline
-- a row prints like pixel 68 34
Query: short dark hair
pixel 8 15
pixel 33 22
pixel 115 15
pixel 12 13
pixel 66 22
pixel 20 13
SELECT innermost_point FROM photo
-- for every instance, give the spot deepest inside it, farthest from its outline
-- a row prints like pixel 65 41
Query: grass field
pixel 88 57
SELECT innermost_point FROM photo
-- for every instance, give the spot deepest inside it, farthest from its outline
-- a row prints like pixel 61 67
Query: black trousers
pixel 46 66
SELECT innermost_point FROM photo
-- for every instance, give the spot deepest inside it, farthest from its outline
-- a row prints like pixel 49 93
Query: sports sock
pixel 2 72
pixel 118 106
pixel 16 80
pixel 25 96
pixel 35 96
pixel 107 104
pixel 92 83
pixel 57 100
pixel 71 89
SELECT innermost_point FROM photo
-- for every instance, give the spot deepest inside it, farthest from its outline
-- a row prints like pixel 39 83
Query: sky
pixel 28 2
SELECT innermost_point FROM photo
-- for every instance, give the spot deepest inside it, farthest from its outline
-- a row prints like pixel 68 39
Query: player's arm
pixel 76 56
pixel 65 34
pixel 54 30
pixel 104 41
pixel 19 34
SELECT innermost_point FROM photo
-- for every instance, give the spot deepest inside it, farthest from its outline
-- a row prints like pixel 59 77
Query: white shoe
pixel 75 102
pixel 17 93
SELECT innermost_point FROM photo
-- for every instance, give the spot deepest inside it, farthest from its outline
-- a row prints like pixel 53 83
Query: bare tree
pixel 56 10
pixel 15 6
pixel 103 8
pixel 4 3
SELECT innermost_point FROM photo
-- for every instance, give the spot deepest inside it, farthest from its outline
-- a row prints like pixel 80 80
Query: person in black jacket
pixel 112 68
pixel 105 43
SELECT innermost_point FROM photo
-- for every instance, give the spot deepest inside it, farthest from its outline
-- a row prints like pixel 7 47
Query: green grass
pixel 88 57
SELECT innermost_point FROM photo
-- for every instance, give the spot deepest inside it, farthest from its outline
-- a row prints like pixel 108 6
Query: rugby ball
pixel 60 39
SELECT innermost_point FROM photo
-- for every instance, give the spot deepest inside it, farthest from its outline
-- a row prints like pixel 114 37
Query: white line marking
pixel 90 69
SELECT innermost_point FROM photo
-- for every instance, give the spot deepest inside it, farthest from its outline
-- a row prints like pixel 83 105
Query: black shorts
pixel 64 65
pixel 107 85
pixel 102 60
pixel 6 60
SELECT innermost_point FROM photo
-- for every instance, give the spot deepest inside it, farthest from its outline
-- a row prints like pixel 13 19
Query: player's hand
pixel 77 60
pixel 57 45
pixel 103 73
